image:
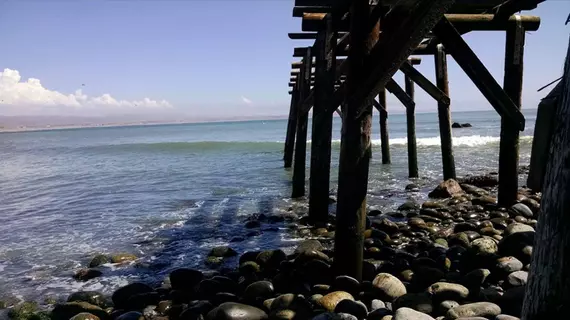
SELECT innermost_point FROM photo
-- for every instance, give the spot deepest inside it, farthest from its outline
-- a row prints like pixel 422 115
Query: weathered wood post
pixel 444 115
pixel 545 119
pixel 355 150
pixel 299 167
pixel 548 290
pixel 323 109
pixel 509 145
pixel 411 130
pixel 384 139
pixel 291 129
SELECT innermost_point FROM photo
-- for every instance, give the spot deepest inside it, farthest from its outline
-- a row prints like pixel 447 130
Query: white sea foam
pixel 467 141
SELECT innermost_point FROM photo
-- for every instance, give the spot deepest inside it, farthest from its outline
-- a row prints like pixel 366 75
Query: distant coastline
pixel 47 127
pixel 90 123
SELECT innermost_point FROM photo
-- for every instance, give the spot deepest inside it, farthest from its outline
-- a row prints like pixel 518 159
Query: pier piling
pixel 509 145
pixel 323 109
pixel 411 130
pixel 355 149
pixel 444 115
pixel 384 138
pixel 299 167
pixel 291 129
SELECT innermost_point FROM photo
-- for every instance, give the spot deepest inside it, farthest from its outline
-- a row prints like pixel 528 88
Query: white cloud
pixel 246 100
pixel 18 95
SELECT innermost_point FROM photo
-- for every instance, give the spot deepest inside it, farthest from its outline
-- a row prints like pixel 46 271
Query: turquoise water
pixel 168 193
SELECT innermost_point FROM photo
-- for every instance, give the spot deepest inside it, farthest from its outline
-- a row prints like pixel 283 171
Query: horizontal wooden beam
pixel 295 77
pixel 511 7
pixel 307 35
pixel 470 22
pixel 420 50
pixel 476 71
pixel 460 6
pixel 424 83
pixel 297 64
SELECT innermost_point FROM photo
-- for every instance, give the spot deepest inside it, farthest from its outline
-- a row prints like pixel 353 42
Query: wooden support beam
pixel 378 106
pixel 298 11
pixel 307 35
pixel 394 88
pixel 324 106
pixel 298 64
pixel 291 129
pixel 476 71
pixel 464 22
pixel 542 138
pixel 299 166
pixel 339 112
pixel 411 130
pixel 296 76
pixel 384 136
pixel 399 39
pixel 343 52
pixel 509 145
pixel 460 6
pixel 424 83
pixel 355 151
pixel 510 7
pixel 444 115
pixel 340 70
pixel 343 42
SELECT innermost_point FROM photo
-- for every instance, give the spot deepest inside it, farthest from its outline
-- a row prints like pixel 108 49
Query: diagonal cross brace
pixel 394 88
pixel 425 84
pixel 476 71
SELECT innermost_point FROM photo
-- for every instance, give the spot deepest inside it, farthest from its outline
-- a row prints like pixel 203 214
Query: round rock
pixel 448 291
pixel 259 290
pixel 355 308
pixel 520 209
pixel 477 309
pixel 410 314
pixel 518 278
pixel 389 286
pixel 517 227
pixel 330 301
pixel 484 246
pixel 236 311
pixel 509 264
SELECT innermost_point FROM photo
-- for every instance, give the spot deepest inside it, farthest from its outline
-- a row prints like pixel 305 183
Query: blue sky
pixel 209 58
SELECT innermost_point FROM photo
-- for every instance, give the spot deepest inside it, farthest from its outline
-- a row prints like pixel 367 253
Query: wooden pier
pixel 357 47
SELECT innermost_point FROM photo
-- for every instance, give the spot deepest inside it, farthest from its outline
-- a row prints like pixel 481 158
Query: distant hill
pixel 22 123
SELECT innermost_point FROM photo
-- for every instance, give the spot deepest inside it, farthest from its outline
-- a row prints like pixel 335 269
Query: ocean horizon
pixel 8 128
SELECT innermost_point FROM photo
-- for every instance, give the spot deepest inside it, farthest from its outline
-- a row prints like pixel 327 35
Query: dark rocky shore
pixel 458 256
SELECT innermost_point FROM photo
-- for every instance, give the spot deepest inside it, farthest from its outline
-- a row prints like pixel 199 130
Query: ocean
pixel 169 193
